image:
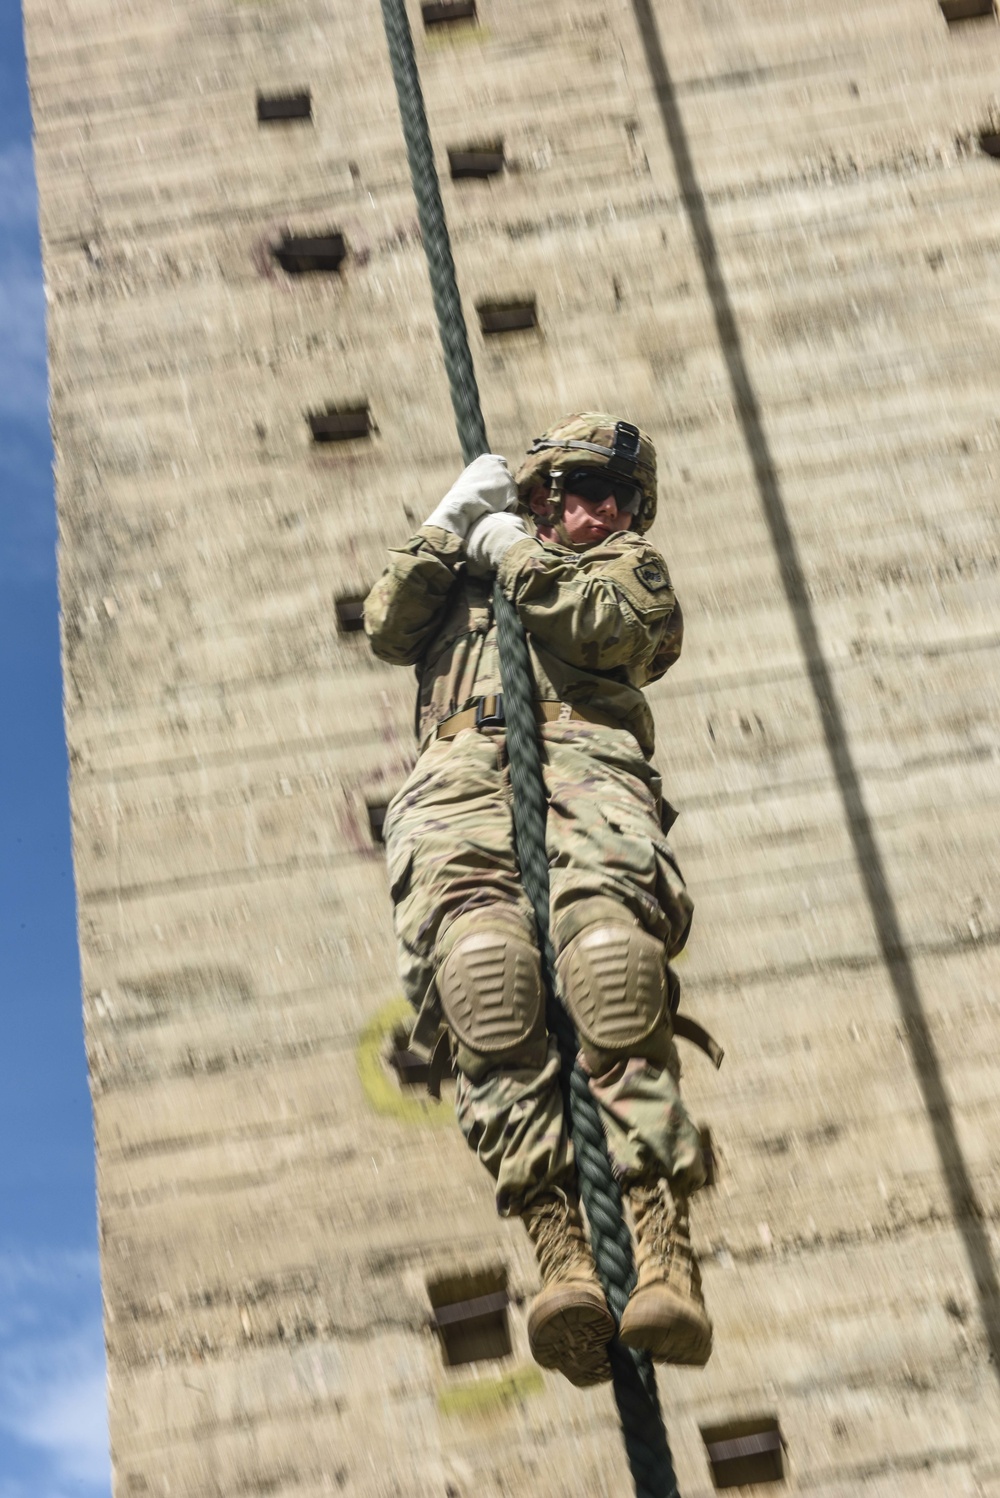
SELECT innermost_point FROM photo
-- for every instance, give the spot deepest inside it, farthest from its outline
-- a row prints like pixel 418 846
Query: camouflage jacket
pixel 601 623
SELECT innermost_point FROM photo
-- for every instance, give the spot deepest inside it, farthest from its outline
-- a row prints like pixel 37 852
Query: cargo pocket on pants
pixel 677 905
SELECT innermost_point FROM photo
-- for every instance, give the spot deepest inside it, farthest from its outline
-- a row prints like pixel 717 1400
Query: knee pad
pixel 614 981
pixel 490 985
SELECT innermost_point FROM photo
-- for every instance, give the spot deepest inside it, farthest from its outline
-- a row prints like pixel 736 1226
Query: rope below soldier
pixel 566 543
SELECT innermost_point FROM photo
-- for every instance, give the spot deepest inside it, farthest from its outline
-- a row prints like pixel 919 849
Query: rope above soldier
pixel 565 540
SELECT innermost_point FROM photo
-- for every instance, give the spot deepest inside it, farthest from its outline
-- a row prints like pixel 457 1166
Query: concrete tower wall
pixel 768 234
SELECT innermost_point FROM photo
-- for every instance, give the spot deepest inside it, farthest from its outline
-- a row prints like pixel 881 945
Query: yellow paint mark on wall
pixel 440 38
pixel 490 1396
pixel 380 1088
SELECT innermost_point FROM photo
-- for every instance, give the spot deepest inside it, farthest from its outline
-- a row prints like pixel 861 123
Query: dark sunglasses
pixel 594 488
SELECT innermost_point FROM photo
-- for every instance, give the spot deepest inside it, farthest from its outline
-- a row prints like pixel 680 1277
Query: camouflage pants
pixel 449 841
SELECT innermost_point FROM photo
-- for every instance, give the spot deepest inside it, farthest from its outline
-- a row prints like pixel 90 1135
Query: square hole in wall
pixel 965 10
pixel 476 161
pixel 273 108
pixel 300 254
pixel 340 423
pixel 469 1315
pixel 376 819
pixel 745 1451
pixel 444 12
pixel 350 613
pixel 507 317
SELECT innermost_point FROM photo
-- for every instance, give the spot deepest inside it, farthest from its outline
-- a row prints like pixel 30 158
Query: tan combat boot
pixel 666 1311
pixel 569 1324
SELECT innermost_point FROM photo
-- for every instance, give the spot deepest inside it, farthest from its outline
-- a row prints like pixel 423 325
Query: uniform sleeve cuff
pixel 443 543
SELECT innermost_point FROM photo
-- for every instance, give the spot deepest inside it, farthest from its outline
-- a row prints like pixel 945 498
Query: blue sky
pixel 53 1436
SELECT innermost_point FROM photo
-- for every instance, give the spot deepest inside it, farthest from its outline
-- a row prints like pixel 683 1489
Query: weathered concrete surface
pixel 766 233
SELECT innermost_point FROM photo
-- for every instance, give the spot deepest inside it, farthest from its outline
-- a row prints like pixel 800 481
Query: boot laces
pixel 665 1235
pixel 652 1222
pixel 557 1233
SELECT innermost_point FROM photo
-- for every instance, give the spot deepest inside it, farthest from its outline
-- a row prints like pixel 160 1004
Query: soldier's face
pixel 585 521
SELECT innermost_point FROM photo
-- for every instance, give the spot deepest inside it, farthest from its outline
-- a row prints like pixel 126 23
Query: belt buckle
pixel 495 719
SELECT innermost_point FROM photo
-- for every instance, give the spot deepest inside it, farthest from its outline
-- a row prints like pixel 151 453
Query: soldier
pixel 566 542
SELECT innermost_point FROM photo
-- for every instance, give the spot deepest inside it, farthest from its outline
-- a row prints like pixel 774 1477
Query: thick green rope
pixel 634 1381
pixel 434 232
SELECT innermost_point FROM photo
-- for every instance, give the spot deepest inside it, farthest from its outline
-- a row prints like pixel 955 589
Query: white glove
pixel 491 538
pixel 485 486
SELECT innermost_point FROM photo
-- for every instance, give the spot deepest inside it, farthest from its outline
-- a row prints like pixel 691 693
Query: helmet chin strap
pixel 557 523
pixel 556 499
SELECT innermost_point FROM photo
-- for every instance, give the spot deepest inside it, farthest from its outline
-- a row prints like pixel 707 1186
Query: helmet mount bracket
pixel 625 445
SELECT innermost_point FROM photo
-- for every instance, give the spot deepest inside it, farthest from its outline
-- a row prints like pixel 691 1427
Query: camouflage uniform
pixel 601 623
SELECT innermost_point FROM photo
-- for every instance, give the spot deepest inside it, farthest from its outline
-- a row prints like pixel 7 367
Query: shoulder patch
pixel 653 577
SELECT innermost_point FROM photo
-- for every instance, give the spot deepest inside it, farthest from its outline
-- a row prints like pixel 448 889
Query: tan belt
pixel 487 712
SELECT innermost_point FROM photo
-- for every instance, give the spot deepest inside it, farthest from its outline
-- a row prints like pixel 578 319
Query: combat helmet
pixel 592 440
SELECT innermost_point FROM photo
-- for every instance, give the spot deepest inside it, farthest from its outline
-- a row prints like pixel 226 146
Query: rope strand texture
pixel 634 1381
pixel 434 231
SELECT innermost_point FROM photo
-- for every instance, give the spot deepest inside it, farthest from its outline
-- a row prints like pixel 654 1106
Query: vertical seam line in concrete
pixel 965 1207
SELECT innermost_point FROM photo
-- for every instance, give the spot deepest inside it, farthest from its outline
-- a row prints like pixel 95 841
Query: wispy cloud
pixel 53 1409
pixel 46 1269
pixel 55 1401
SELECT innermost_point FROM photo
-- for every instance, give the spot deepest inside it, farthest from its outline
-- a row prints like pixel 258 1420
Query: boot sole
pixel 665 1332
pixel 570 1334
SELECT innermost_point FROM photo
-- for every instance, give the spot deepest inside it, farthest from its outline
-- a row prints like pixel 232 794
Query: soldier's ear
pixel 539 502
